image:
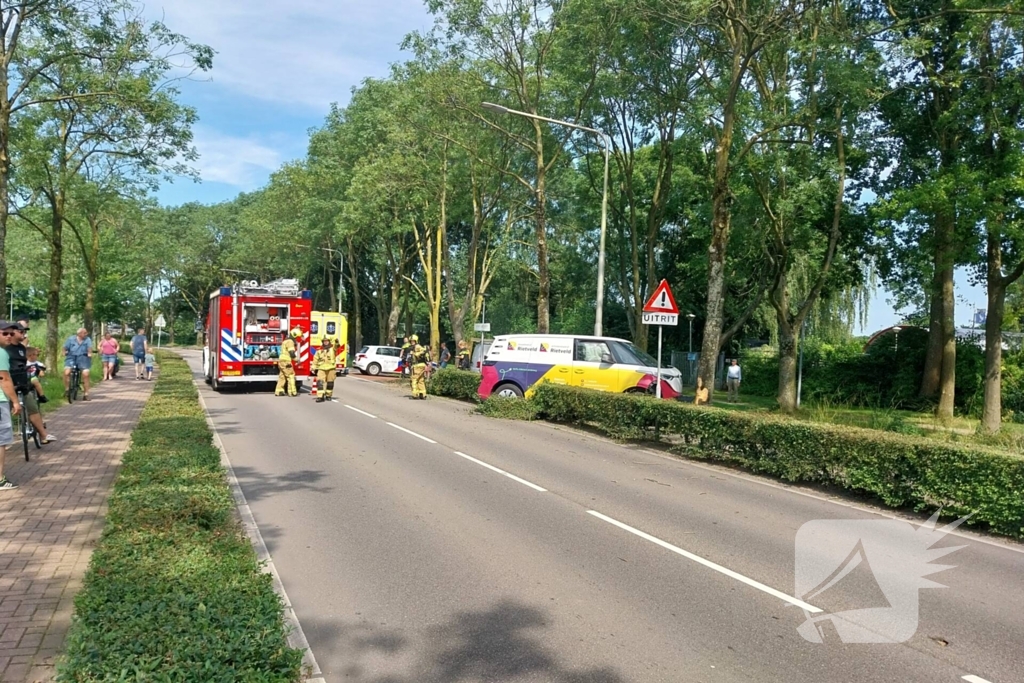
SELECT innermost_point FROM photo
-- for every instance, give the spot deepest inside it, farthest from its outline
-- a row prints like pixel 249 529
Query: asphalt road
pixel 420 543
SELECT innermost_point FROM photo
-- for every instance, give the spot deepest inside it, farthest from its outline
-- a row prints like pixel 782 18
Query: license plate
pixel 232 373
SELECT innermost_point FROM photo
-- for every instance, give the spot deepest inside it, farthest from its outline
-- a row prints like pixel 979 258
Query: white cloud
pixel 240 162
pixel 303 53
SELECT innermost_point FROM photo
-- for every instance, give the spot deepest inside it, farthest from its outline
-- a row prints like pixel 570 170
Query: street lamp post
pixel 606 143
pixel 896 329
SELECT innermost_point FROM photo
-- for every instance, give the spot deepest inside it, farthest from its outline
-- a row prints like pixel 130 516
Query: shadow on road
pixel 503 643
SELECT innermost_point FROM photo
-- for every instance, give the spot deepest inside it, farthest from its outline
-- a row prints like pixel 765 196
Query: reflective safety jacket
pixel 324 359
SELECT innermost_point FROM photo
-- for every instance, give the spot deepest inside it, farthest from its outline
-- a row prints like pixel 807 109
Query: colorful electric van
pixel 517 363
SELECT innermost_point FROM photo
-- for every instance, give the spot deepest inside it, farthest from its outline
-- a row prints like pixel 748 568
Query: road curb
pixel 296 636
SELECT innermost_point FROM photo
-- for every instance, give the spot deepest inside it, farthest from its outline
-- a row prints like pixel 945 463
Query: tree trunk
pixel 787 367
pixel 357 299
pixel 5 179
pixel 543 273
pixel 992 409
pixel 53 286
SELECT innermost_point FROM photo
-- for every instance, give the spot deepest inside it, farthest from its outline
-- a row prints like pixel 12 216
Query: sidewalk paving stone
pixel 51 523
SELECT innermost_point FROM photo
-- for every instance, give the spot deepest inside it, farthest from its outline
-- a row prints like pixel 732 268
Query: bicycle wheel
pixel 73 386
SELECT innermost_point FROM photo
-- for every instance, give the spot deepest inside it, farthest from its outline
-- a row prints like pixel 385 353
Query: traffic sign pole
pixel 659 362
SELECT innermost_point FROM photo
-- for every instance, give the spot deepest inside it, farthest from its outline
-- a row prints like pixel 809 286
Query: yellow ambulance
pixel 333 326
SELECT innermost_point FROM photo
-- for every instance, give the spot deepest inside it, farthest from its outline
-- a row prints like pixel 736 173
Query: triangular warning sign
pixel 662 300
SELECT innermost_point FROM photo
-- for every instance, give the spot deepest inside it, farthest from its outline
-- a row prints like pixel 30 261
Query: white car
pixel 373 360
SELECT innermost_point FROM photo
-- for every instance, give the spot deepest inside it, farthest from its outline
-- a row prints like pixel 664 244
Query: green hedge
pixel 174 591
pixel 460 384
pixel 902 471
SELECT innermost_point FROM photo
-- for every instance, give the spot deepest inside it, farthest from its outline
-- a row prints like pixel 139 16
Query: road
pixel 420 542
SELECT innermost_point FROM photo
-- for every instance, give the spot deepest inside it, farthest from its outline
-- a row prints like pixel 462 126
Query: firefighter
pixel 420 358
pixel 286 364
pixel 462 358
pixel 406 350
pixel 324 363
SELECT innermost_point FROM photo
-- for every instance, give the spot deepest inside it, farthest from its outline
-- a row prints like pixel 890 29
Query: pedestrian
pixel 78 353
pixel 420 358
pixel 733 380
pixel 286 360
pixel 18 359
pixel 446 355
pixel 139 347
pixel 462 360
pixel 8 407
pixel 150 361
pixel 326 368
pixel 108 354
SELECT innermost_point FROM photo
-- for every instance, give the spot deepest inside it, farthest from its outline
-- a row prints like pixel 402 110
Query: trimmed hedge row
pixel 460 384
pixel 900 470
pixel 174 591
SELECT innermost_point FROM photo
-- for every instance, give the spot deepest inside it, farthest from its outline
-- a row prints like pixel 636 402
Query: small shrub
pixel 508 408
pixel 460 384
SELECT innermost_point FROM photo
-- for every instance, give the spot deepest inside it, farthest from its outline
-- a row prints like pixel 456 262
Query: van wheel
pixel 509 391
pixel 373 369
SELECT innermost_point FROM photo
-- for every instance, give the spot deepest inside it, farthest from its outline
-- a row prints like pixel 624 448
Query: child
pixel 36 370
pixel 150 362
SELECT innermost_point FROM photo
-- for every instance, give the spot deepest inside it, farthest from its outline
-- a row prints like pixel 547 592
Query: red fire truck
pixel 245 327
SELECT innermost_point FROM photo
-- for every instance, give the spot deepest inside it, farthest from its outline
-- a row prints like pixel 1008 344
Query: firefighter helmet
pixel 414 339
pixel 296 332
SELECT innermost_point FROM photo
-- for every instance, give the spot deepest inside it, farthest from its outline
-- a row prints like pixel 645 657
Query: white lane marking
pixel 499 471
pixel 975 679
pixel 409 431
pixel 361 412
pixel 708 563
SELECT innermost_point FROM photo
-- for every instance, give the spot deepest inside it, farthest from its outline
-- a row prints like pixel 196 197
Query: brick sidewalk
pixel 49 525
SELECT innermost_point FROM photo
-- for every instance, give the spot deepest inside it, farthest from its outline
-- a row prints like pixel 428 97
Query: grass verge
pixel 174 591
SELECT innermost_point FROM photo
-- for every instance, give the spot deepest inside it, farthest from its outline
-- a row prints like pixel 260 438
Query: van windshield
pixel 630 354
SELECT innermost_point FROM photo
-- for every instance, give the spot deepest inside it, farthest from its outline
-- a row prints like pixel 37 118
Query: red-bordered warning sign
pixel 662 300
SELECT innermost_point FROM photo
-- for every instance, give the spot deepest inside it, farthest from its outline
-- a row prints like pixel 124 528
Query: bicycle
pixel 73 383
pixel 28 431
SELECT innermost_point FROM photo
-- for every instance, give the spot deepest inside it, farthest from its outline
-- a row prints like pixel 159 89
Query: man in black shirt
pixel 19 376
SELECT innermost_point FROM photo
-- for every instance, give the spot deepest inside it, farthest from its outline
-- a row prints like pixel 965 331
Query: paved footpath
pixel 50 524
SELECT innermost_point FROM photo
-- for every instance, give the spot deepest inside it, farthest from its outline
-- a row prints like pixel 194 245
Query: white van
pixel 516 363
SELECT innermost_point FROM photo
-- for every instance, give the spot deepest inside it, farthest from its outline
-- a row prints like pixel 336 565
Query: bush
pixel 508 408
pixel 174 591
pixel 900 470
pixel 460 384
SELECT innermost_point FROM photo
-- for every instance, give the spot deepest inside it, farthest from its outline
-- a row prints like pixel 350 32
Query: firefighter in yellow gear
pixel 420 358
pixel 325 366
pixel 462 357
pixel 286 361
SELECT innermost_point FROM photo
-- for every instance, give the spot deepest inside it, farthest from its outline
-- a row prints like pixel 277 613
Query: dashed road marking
pixel 409 431
pixel 708 563
pixel 500 471
pixel 975 679
pixel 361 412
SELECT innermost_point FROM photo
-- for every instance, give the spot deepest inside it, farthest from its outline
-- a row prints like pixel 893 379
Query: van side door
pixel 593 365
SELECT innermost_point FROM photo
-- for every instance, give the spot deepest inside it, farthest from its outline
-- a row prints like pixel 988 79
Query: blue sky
pixel 279 66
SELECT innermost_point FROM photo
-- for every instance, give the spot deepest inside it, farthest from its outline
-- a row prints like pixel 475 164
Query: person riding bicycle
pixel 22 377
pixel 78 354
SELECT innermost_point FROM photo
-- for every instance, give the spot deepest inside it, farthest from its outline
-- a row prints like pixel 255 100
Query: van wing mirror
pixel 607 358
